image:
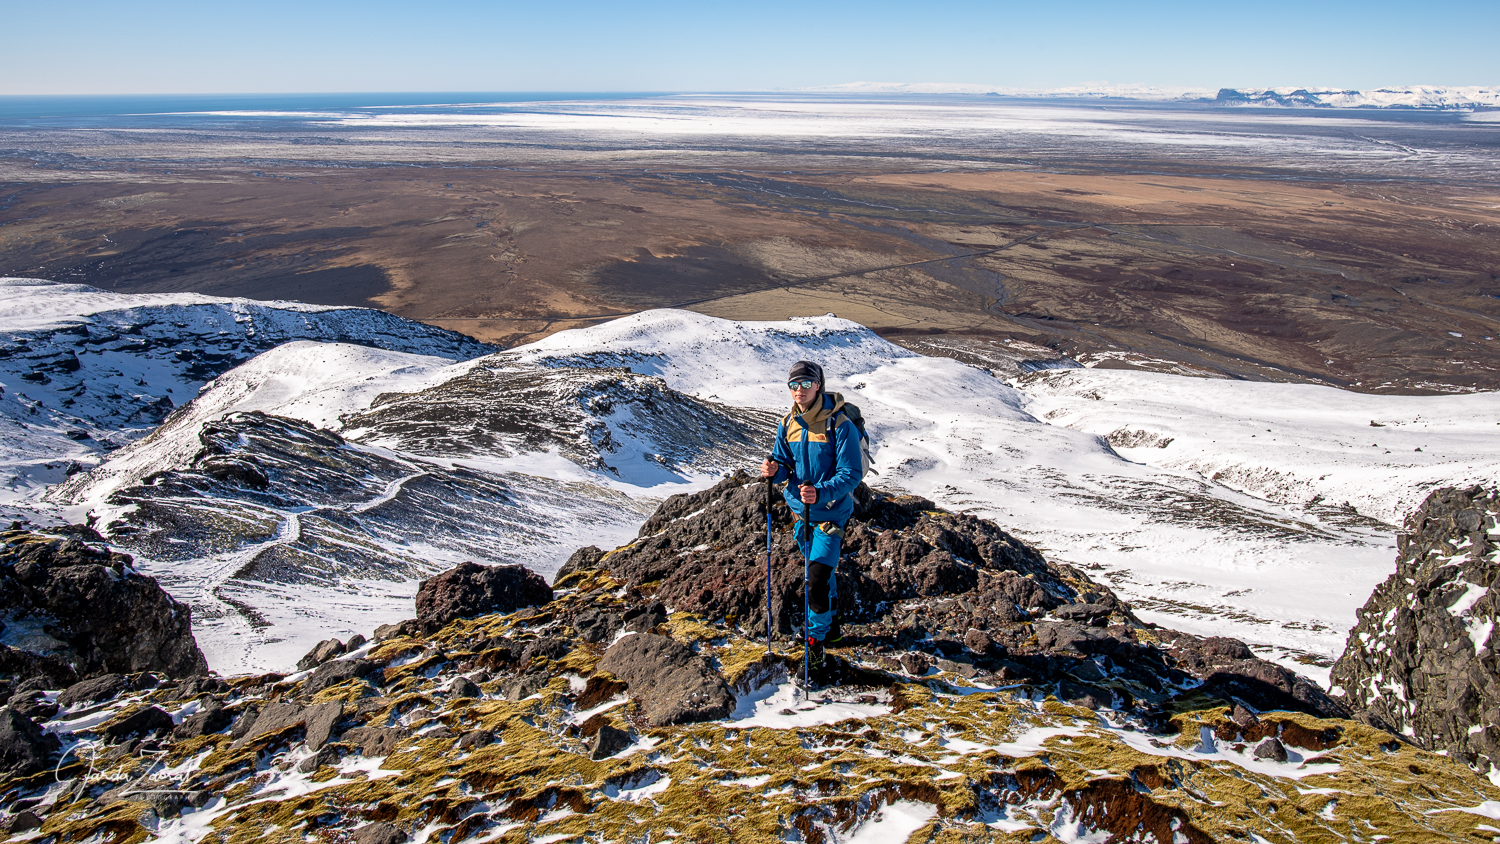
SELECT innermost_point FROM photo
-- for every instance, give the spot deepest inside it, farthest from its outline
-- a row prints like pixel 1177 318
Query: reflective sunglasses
pixel 801 385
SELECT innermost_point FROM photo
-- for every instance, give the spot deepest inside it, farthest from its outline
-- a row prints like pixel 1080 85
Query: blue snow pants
pixel 822 587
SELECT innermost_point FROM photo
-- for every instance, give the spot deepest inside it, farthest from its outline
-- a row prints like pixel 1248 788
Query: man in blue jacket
pixel 818 450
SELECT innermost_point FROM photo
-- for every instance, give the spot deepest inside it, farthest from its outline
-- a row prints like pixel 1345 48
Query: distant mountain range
pixel 1411 96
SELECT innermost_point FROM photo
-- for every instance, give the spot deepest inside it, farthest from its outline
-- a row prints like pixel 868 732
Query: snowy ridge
pixel 305 492
pixel 313 382
pixel 84 371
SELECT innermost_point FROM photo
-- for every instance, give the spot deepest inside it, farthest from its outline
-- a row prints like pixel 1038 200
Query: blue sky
pixel 168 46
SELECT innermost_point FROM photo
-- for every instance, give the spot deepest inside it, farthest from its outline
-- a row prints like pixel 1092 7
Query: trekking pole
pixel 806 588
pixel 770 495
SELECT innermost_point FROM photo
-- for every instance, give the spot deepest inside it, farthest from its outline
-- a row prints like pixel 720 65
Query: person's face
pixel 803 391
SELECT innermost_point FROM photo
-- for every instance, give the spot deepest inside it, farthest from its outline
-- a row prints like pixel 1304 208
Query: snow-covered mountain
pixel 1412 96
pixel 1463 98
pixel 85 371
pixel 348 473
pixel 303 493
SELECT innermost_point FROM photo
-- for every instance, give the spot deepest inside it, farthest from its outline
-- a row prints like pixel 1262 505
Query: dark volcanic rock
pixel 607 742
pixel 375 741
pixel 378 833
pixel 143 721
pixel 462 687
pixel 24 748
pixel 1421 658
pixel 1271 748
pixel 332 673
pixel 923 579
pixel 707 552
pixel 1230 671
pixel 321 653
pixel 31 704
pixel 470 590
pixel 596 625
pixel 545 648
pixel 83 605
pixel 94 690
pixel 210 719
pixel 672 684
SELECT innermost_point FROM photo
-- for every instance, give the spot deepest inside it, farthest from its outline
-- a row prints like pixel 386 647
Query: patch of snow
pixel 642 786
pixel 1468 599
pixel 782 706
pixel 892 823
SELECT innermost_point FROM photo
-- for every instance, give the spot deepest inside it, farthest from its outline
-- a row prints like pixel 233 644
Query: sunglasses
pixel 801 385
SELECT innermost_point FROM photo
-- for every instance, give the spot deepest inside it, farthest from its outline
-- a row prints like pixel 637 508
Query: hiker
pixel 818 450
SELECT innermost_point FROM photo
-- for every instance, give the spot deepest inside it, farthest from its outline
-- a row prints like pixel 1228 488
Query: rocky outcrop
pixel 471 589
pixel 74 610
pixel 1421 661
pixel 673 685
pixel 956 588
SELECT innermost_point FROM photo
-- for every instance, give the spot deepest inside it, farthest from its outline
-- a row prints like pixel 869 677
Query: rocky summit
pixel 981 693
pixel 1421 660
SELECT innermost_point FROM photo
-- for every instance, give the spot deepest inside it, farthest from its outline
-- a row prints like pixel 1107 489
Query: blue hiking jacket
pixel 833 468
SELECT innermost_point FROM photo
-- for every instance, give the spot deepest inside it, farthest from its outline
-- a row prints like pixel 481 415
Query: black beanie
pixel 806 369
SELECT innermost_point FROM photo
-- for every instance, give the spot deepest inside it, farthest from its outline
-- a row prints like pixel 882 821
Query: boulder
pixel 321 653
pixel 84 605
pixel 330 674
pixel 643 619
pixel 1271 748
pixel 141 722
pixel 378 833
pixel 210 719
pixel 583 559
pixel 33 705
pixel 545 648
pixel 318 722
pixel 672 684
pixel 471 590
pixel 321 720
pixel 596 625
pixel 1421 659
pixel 200 685
pixel 915 663
pixel 24 748
pixel 95 690
pixel 463 687
pixel 475 739
pixel 607 742
pixel 375 741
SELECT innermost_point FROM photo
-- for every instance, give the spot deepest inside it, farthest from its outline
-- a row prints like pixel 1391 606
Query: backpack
pixel 851 412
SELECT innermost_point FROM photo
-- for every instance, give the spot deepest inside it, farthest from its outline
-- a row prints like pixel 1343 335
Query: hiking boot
pixel 815 653
pixel 835 637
